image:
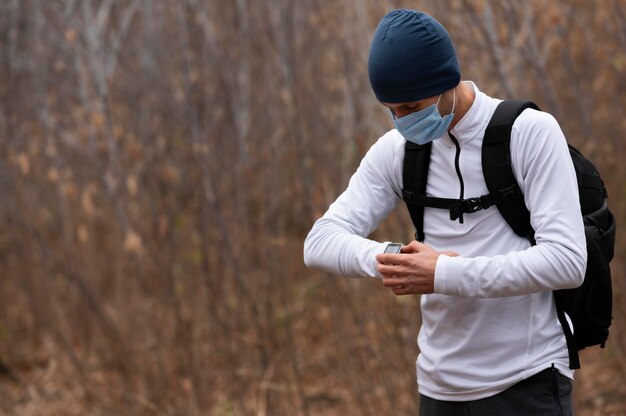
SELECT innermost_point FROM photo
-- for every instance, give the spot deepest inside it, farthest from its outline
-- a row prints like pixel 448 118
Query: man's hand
pixel 413 271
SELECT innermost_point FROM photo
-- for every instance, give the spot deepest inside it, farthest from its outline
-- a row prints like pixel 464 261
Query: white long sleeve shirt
pixel 491 321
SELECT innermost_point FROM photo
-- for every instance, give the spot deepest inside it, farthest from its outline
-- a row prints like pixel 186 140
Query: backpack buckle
pixel 468 206
pixel 476 204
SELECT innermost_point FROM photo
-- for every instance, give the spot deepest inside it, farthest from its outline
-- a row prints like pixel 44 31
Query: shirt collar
pixel 473 122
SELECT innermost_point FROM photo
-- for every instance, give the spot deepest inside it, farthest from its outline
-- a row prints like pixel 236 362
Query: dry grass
pixel 161 163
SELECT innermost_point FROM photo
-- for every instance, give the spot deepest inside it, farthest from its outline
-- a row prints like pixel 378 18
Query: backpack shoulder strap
pixel 499 177
pixel 497 168
pixel 414 175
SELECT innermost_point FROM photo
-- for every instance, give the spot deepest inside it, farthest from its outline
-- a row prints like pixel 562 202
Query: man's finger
pixel 390 258
pixel 400 290
pixel 416 247
pixel 404 290
pixel 394 270
pixel 394 281
pixel 387 270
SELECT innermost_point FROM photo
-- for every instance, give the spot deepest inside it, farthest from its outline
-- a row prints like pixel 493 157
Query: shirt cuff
pixel 375 248
pixel 441 269
pixel 459 276
pixel 444 272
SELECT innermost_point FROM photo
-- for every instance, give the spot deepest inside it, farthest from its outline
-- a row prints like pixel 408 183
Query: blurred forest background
pixel 161 162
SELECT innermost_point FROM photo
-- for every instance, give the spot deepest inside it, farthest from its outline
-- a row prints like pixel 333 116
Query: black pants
pixel 547 393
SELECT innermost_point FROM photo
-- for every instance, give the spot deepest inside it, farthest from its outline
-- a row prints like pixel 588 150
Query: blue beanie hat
pixel 411 58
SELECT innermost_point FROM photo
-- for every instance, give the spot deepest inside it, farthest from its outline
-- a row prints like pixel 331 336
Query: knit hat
pixel 411 58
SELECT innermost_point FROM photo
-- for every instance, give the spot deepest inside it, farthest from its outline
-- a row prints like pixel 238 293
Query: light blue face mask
pixel 425 125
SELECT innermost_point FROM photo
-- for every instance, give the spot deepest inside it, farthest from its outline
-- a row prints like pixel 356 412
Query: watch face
pixel 393 248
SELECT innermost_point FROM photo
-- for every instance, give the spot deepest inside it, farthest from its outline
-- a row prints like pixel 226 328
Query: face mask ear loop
pixel 453 102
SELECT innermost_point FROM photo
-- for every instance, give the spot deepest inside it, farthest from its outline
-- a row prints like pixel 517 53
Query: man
pixel 490 341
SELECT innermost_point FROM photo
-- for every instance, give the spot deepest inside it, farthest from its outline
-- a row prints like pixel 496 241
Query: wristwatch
pixel 393 248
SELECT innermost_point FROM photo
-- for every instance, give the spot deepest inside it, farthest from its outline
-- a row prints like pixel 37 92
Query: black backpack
pixel 589 306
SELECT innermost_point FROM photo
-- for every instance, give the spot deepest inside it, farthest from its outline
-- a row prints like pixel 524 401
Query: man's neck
pixel 464 99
